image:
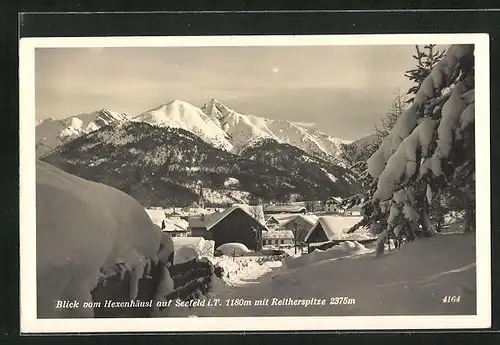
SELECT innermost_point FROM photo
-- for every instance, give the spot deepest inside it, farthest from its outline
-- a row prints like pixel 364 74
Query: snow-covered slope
pixel 410 281
pixel 248 130
pixel 215 123
pixel 179 114
pixel 51 133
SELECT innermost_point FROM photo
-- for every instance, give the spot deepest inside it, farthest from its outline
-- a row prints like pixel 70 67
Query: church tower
pixel 201 201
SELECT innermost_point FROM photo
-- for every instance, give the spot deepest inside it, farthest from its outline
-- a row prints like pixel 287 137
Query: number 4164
pixel 451 299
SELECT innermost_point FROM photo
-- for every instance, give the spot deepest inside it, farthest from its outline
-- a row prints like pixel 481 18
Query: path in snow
pixel 412 281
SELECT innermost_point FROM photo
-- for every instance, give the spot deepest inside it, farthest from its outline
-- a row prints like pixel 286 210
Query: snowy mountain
pixel 179 114
pixel 214 123
pixel 51 133
pixel 248 130
pixel 161 165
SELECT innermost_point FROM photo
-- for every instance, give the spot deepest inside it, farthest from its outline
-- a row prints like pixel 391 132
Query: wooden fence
pixel 191 280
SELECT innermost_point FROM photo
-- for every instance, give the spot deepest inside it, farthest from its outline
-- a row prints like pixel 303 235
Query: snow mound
pixel 185 254
pixel 343 249
pixel 85 229
pixel 189 248
pixel 409 281
pixel 243 270
pixel 233 249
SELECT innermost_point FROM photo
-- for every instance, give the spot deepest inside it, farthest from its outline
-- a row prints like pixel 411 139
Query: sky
pixel 341 90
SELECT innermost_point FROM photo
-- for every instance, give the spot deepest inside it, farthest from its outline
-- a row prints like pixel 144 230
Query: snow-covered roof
pixel 156 215
pixel 195 209
pixel 173 228
pixel 355 208
pixel 175 224
pixel 335 200
pixel 172 223
pixel 334 227
pixel 270 219
pixel 310 219
pixel 285 208
pixel 283 218
pixel 256 211
pixel 286 234
pixel 210 220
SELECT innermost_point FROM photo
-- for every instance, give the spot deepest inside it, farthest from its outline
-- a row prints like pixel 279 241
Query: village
pixel 240 236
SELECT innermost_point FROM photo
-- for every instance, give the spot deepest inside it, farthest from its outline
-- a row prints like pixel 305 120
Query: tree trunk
pixel 410 231
pixel 439 218
pixel 424 218
pixel 381 240
pixel 469 221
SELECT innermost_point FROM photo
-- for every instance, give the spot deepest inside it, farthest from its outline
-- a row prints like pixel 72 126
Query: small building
pixel 278 238
pixel 290 209
pixel 332 205
pixel 234 225
pixel 330 228
pixel 282 218
pixel 300 225
pixel 271 222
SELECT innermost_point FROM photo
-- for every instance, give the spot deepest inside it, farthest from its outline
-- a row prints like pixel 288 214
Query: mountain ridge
pixel 216 124
pixel 51 133
pixel 165 166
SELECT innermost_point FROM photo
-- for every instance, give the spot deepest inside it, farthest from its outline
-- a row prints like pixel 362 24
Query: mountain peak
pixel 216 109
pixel 176 102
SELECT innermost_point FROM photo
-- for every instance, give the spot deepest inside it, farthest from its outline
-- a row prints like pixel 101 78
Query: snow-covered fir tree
pixel 431 149
pixel 358 160
pixel 426 60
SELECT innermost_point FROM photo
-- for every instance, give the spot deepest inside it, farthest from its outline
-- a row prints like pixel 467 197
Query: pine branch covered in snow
pixel 426 144
pixel 405 155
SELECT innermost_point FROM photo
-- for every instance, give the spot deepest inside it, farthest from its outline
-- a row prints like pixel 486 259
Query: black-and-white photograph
pixel 257 179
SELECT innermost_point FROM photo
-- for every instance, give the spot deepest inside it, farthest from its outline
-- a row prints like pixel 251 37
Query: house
pixel 175 226
pixel 257 211
pixel 300 225
pixel 278 237
pixel 271 222
pixel 275 209
pixel 331 228
pixel 193 210
pixel 332 205
pixel 235 224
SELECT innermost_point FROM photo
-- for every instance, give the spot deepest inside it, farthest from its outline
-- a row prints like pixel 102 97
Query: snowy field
pixel 347 278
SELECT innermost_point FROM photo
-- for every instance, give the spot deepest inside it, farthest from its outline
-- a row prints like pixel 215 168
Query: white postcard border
pixel 29 321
